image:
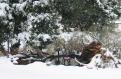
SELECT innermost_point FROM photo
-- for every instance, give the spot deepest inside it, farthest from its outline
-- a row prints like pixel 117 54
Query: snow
pixel 44 36
pixel 109 8
pixel 39 70
pixel 2 9
pixel 24 36
pixel 66 36
pixel 20 6
pixel 77 35
pixel 118 29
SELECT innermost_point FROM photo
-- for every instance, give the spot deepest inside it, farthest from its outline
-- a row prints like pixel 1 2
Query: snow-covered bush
pixel 105 60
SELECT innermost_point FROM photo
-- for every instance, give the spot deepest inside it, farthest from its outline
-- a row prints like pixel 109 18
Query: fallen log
pixel 51 57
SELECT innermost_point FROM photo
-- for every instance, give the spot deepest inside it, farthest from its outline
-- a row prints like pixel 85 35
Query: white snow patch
pixel 39 70
pixel 2 9
pixel 24 36
pixel 45 36
pixel 20 6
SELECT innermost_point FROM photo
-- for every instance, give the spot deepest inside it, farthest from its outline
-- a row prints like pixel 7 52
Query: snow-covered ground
pixel 39 70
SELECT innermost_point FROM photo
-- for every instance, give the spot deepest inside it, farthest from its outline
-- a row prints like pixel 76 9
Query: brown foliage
pixel 90 51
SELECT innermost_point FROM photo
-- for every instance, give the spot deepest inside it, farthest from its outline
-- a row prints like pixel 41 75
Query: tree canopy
pixel 45 16
pixel 86 13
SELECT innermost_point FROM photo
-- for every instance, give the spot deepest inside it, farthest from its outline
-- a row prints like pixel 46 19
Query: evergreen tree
pixel 85 13
pixel 12 23
pixel 3 30
pixel 19 21
pixel 92 15
pixel 44 21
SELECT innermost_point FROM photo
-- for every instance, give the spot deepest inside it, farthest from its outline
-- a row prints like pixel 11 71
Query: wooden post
pixel 58 61
pixel 8 45
pixel 58 55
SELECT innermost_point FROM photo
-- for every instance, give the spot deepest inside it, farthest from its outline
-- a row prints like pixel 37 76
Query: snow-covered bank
pixel 40 70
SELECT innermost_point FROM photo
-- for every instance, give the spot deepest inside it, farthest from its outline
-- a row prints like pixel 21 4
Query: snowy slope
pixel 40 70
